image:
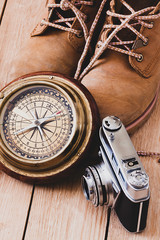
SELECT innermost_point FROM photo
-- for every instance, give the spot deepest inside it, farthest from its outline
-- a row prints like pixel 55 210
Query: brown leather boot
pixel 57 42
pixel 124 71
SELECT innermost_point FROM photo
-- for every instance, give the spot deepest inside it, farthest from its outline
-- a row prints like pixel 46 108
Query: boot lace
pixel 65 23
pixel 149 154
pixel 126 21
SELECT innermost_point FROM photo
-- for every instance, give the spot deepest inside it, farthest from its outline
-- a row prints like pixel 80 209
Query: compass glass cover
pixel 38 122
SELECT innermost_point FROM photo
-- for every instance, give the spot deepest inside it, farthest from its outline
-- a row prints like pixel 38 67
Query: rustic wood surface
pixel 60 211
pixel 63 213
pixel 14 204
pixel 2 5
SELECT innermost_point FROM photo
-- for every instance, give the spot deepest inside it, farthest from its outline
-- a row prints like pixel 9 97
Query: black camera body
pixel 119 180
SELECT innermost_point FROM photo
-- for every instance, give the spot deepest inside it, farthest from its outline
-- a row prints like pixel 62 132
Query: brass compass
pixel 46 124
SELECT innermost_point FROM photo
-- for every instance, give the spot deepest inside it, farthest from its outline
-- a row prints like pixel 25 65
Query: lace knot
pixel 64 5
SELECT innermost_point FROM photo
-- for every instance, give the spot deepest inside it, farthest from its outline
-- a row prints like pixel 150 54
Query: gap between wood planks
pixel 3 6
pixel 29 209
pixel 2 9
pixel 107 225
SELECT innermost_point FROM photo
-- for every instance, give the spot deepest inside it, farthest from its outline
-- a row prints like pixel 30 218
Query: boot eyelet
pixel 42 24
pixel 145 43
pixel 140 58
pixel 152 23
pixel 99 44
pixel 80 34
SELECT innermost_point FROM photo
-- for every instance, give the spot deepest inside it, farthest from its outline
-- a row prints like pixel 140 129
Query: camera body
pixel 119 180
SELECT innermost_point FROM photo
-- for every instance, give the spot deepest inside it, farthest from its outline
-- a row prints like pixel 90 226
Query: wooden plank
pixel 15 30
pixel 14 195
pixel 62 212
pixel 2 4
pixel 147 138
pixel 14 203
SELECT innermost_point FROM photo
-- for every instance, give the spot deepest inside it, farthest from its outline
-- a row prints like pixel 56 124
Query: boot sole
pixel 133 126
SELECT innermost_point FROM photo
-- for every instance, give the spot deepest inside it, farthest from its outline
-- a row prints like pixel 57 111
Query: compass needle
pixel 41 133
pixel 49 118
pixel 46 124
pixel 31 126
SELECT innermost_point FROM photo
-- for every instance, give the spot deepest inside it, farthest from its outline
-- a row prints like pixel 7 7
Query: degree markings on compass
pixel 29 111
pixel 22 121
pixel 41 108
pixel 21 114
pixel 63 128
pixel 24 135
pixel 46 137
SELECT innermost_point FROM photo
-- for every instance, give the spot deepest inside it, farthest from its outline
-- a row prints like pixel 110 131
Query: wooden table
pixel 60 211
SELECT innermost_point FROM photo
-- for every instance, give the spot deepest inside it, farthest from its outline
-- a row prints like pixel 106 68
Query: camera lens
pixel 98 186
pixel 92 186
pixel 89 185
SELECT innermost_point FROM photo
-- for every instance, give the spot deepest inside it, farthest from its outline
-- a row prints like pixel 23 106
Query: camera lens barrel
pixel 92 186
pixel 97 185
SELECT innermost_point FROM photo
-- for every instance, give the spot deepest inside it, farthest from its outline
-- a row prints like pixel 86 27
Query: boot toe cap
pixel 119 90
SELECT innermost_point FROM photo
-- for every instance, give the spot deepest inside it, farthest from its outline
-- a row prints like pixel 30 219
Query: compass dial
pixel 46 124
pixel 38 123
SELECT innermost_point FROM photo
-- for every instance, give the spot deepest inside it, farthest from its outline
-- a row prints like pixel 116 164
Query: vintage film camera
pixel 119 180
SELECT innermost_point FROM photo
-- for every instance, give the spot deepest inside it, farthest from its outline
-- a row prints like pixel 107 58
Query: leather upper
pixel 50 49
pixel 120 84
pixel 150 52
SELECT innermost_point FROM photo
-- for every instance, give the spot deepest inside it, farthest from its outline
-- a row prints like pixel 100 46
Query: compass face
pixel 38 122
pixel 46 126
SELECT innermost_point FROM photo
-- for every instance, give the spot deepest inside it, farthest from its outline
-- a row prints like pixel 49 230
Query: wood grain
pixel 2 4
pixel 15 30
pixel 14 195
pixel 147 138
pixel 62 212
pixel 14 202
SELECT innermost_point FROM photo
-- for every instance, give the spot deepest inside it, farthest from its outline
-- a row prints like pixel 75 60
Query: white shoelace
pixel 82 18
pixel 68 5
pixel 125 23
